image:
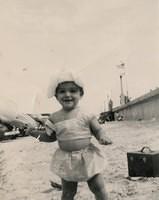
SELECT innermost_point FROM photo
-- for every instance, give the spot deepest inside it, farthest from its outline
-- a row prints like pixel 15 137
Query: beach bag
pixel 144 162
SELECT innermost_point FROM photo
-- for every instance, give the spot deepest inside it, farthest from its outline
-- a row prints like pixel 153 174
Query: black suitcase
pixel 143 163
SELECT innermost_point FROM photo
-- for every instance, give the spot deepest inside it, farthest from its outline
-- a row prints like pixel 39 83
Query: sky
pixel 91 37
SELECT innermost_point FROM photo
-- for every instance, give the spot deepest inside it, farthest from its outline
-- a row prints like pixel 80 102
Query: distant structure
pixel 122 96
pixel 144 107
pixel 110 105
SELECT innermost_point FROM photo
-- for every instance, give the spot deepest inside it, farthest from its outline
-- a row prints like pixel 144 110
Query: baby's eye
pixel 73 90
pixel 61 91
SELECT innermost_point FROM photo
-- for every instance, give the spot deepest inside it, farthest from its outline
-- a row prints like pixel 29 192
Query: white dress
pixel 76 165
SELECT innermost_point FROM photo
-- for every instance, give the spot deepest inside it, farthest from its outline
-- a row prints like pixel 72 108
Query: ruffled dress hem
pixel 78 165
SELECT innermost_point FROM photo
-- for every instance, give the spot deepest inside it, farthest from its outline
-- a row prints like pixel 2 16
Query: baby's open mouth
pixel 68 100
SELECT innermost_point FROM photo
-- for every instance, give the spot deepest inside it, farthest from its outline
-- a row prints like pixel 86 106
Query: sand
pixel 25 174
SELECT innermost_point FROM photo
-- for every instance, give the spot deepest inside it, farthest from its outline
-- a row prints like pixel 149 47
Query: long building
pixel 144 107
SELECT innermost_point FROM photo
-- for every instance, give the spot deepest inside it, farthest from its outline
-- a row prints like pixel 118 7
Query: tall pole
pixel 121 67
pixel 122 96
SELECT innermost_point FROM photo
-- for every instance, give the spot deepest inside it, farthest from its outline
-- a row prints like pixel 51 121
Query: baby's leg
pixel 69 190
pixel 97 186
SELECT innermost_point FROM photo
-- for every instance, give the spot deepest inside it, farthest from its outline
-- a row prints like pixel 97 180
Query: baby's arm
pixel 99 132
pixel 42 135
pixel 46 135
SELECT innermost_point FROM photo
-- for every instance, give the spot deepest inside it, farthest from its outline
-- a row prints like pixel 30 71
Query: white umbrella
pixel 24 120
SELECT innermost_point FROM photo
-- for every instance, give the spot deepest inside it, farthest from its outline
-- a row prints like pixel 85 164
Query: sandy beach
pixel 25 174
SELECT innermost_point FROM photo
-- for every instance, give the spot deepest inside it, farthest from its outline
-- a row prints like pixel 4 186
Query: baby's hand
pixel 104 140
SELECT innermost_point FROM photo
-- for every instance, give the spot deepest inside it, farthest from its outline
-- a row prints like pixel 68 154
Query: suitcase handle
pixel 145 147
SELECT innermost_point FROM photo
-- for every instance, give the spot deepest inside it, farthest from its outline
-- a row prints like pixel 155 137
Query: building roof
pixel 144 97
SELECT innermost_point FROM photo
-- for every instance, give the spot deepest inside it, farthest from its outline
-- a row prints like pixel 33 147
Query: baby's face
pixel 68 94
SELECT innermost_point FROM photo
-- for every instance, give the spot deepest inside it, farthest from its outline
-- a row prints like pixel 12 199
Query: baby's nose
pixel 67 93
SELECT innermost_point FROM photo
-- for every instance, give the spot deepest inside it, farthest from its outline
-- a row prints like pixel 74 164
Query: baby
pixel 77 158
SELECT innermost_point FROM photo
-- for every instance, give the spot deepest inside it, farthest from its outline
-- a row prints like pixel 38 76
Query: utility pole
pixel 121 67
pixel 122 96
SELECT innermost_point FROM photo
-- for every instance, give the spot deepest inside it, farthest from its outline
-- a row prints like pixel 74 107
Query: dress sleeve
pixel 88 118
pixel 50 127
pixel 92 121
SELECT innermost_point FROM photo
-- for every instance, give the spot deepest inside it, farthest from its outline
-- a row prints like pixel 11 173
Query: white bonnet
pixel 60 78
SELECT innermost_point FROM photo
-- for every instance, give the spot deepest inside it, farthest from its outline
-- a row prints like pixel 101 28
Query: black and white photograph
pixel 79 100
